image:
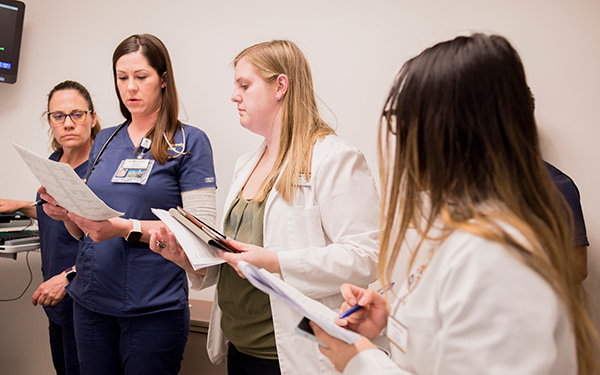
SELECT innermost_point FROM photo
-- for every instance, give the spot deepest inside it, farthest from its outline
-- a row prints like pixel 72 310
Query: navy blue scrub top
pixel 58 248
pixel 119 278
pixel 570 192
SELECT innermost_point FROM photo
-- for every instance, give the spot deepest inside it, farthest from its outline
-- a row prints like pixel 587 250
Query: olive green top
pixel 247 320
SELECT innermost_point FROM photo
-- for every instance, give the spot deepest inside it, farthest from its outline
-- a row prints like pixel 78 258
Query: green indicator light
pixel 1 48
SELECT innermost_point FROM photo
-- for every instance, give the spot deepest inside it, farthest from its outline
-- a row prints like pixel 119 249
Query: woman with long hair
pixel 303 205
pixel 489 285
pixel 131 306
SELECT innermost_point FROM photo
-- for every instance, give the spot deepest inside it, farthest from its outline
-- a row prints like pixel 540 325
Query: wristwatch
pixel 70 274
pixel 136 233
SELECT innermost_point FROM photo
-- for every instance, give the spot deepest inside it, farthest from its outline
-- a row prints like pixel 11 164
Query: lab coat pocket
pixel 420 342
pixel 304 228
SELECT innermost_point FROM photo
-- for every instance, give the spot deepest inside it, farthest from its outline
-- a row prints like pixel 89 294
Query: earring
pixel 277 97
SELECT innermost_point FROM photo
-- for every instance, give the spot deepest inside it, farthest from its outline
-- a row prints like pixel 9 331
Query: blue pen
pixel 357 307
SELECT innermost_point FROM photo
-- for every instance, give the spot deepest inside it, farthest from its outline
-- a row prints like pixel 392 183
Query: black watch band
pixel 70 275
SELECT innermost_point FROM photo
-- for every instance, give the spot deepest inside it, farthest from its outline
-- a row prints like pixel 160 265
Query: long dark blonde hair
pixel 301 124
pixel 458 124
pixel 158 58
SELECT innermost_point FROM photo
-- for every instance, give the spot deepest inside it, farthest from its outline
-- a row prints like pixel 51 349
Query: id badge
pixel 133 171
pixel 397 333
pixel 302 181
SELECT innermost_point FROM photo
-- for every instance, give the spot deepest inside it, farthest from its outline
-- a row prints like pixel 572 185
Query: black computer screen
pixel 12 13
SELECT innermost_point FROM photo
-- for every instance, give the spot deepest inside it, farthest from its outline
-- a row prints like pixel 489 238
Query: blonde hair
pixel 459 125
pixel 301 124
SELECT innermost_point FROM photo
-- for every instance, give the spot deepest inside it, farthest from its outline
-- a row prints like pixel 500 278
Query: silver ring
pixel 160 244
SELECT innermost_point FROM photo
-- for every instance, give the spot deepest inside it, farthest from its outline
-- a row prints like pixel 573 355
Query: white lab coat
pixel 476 310
pixel 330 235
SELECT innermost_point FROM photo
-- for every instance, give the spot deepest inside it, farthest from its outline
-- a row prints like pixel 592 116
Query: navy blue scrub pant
pixel 63 347
pixel 146 344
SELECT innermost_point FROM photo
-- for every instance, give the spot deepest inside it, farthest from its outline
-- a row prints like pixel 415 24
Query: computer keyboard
pixel 8 236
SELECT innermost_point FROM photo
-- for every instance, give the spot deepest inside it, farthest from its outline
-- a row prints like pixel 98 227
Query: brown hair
pixel 458 124
pixel 158 58
pixel 72 85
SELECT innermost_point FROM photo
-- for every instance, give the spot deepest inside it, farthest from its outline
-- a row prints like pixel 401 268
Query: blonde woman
pixel 304 205
pixel 491 286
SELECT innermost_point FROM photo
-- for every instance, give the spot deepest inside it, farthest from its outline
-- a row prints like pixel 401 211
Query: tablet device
pixel 304 329
pixel 216 238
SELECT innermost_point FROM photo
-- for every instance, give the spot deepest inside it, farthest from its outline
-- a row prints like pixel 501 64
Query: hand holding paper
pixel 371 318
pixel 163 242
pixel 199 253
pixel 313 310
pixel 63 184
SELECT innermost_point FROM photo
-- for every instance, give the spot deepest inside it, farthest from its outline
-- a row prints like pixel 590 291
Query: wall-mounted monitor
pixel 12 14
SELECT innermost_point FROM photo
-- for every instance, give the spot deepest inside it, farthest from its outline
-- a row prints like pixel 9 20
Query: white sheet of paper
pixel 198 252
pixel 313 310
pixel 64 185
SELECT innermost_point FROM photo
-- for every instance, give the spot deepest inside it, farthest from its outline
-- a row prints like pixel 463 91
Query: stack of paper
pixel 313 310
pixel 198 252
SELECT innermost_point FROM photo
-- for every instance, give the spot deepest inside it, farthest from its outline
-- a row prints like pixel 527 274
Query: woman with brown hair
pixel 489 286
pixel 131 305
pixel 73 125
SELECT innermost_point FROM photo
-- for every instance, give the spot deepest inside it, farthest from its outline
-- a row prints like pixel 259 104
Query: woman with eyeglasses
pixel 73 127
pixel 131 306
pixel 491 286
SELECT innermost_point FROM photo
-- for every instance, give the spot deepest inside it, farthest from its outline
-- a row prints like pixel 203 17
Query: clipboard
pixel 206 233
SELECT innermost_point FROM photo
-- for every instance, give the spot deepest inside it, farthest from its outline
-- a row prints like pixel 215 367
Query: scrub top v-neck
pixel 121 278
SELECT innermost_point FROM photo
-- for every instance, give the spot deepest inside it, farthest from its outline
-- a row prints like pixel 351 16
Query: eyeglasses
pixel 78 116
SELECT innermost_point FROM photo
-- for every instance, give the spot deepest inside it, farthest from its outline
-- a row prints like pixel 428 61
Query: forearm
pixel 122 228
pixel 10 205
pixel 146 226
pixel 202 204
pixel 28 210
pixel 111 228
pixel 73 229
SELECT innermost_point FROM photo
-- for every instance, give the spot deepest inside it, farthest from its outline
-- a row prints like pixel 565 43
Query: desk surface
pixel 199 314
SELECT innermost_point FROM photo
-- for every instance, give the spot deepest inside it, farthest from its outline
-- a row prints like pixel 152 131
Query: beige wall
pixel 355 48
